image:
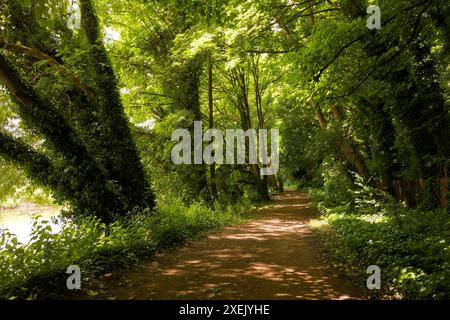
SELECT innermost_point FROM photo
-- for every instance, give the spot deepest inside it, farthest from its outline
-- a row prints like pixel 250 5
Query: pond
pixel 19 220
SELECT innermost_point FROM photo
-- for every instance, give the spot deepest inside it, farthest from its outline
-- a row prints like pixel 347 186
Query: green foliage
pixel 81 146
pixel 15 188
pixel 410 246
pixel 337 185
pixel 176 223
pixel 37 268
pixel 346 99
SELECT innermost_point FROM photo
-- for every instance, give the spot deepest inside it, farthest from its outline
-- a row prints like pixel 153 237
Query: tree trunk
pixel 244 110
pixel 97 171
pixel 125 166
pixel 212 166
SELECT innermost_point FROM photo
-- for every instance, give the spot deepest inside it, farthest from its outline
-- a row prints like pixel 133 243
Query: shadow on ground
pixel 273 257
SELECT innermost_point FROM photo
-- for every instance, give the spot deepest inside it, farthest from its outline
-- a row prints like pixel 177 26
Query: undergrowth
pixel 37 269
pixel 411 246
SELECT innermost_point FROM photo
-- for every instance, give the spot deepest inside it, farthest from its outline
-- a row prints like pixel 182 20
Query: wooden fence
pixel 412 192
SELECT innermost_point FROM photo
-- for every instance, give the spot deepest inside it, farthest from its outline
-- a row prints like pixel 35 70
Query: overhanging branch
pixel 76 81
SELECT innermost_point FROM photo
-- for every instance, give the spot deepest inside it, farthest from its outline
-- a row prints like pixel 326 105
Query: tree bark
pixel 212 166
pixel 240 83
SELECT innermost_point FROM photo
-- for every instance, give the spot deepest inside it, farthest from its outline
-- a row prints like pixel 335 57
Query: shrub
pixel 412 247
pixel 37 268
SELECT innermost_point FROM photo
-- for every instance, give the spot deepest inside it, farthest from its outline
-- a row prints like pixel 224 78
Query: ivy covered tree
pixel 66 92
pixel 370 102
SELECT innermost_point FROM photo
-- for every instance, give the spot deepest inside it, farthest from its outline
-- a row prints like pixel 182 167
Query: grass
pixel 37 269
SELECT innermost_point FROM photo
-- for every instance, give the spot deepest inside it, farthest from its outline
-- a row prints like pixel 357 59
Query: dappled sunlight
pixel 173 272
pixel 279 206
pixel 273 257
pixel 265 229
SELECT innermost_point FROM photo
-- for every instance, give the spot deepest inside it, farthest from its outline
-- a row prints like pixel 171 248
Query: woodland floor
pixel 275 256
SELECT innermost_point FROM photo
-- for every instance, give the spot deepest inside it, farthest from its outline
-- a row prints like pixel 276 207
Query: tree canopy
pixel 97 105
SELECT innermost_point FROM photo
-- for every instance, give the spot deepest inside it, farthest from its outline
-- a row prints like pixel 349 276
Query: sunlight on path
pixel 275 256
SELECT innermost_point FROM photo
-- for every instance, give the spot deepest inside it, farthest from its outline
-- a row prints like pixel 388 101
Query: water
pixel 19 221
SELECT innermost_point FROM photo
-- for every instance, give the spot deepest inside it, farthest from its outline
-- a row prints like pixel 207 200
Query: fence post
pixel 443 190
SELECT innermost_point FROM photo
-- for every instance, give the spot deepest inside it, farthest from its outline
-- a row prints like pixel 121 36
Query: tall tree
pixel 90 160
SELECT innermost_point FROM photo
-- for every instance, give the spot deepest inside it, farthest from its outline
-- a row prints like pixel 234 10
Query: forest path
pixel 275 256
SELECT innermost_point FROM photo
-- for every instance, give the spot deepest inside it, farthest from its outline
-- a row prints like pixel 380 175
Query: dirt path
pixel 275 256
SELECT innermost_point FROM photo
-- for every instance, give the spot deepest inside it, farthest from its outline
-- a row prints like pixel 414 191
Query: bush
pixel 38 268
pixel 337 186
pixel 412 247
pixel 176 223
